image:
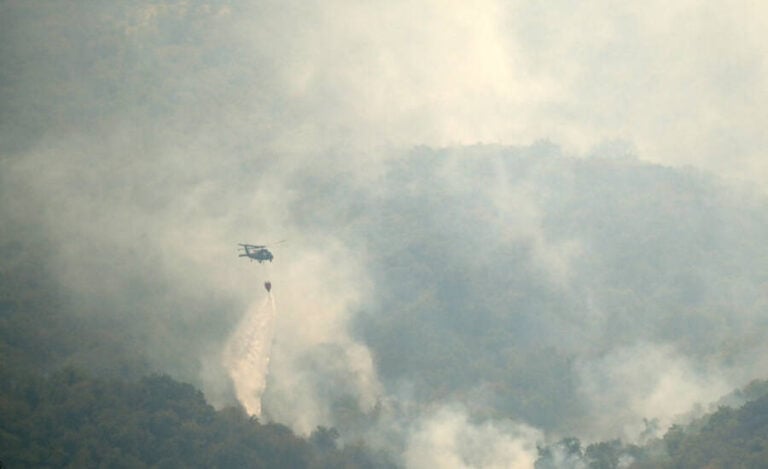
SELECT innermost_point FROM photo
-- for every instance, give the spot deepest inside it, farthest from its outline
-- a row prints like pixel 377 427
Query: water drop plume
pixel 247 353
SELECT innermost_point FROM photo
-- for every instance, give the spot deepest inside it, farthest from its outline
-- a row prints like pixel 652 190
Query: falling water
pixel 246 355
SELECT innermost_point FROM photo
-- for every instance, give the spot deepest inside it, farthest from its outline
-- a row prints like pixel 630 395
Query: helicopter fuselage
pixel 257 253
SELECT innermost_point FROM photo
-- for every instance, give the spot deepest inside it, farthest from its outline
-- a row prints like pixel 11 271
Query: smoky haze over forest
pixel 506 222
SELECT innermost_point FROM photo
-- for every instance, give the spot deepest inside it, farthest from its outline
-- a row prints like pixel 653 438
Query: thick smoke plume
pixel 447 439
pixel 577 287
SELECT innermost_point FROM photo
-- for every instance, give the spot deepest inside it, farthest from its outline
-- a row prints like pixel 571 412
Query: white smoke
pixel 645 381
pixel 317 362
pixel 247 353
pixel 448 439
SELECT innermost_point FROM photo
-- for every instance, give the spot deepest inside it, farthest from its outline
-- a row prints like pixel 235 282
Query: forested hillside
pixel 69 419
pixel 72 395
pixel 734 436
pixel 727 438
pixel 490 232
pixel 527 282
pixel 550 276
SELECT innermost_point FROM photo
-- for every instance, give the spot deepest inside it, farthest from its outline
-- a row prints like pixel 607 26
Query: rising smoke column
pixel 246 354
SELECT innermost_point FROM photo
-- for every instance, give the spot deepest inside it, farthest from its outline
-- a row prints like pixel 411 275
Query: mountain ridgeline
pixel 549 288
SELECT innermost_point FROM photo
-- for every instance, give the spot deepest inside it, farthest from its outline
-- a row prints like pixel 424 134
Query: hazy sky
pixel 680 82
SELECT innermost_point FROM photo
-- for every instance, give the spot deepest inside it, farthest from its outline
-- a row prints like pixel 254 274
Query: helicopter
pixel 259 253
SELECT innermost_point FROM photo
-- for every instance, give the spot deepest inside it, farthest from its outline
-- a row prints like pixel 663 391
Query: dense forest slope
pixel 732 436
pixel 71 420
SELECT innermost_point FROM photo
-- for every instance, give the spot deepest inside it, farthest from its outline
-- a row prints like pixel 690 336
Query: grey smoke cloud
pixel 146 140
pixel 680 82
pixel 646 381
pixel 446 438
